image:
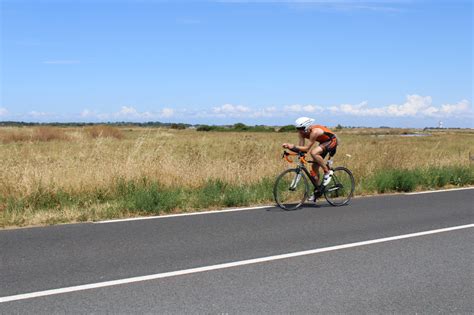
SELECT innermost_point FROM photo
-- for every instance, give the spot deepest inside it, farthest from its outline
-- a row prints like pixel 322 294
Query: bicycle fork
pixel 295 181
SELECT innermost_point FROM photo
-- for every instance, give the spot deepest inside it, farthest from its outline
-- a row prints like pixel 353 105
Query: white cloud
pixel 460 108
pixel 131 112
pixel 87 113
pixel 271 111
pixel 240 111
pixel 297 108
pixel 415 106
pixel 360 109
pixel 231 110
pixel 166 113
pixel 126 111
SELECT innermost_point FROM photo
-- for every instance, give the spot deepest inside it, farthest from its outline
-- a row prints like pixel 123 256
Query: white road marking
pixel 437 191
pixel 221 266
pixel 183 214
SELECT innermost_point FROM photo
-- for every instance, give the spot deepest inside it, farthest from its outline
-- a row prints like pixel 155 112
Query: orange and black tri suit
pixel 327 141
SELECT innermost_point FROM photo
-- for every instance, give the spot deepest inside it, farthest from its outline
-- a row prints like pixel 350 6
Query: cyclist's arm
pixel 301 140
pixel 315 133
pixel 292 146
pixel 312 139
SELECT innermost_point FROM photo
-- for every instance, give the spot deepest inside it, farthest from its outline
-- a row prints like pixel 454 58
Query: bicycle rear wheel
pixel 291 189
pixel 341 188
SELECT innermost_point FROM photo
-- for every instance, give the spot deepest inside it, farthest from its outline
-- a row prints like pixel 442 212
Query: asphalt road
pixel 429 273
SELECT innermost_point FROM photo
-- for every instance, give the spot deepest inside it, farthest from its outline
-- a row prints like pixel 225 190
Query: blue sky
pixel 400 63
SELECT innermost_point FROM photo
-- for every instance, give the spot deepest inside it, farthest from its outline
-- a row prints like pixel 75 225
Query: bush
pixel 287 128
pixel 261 128
pixel 240 127
pixel 205 128
pixel 178 126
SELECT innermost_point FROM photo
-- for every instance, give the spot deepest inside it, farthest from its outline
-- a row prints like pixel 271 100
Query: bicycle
pixel 291 188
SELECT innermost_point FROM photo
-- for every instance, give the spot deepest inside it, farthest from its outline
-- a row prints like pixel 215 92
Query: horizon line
pixel 158 123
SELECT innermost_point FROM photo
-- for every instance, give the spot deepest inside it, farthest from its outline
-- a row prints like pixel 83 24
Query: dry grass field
pixel 53 174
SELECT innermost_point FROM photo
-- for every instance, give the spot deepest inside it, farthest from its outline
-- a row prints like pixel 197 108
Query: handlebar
pixel 300 154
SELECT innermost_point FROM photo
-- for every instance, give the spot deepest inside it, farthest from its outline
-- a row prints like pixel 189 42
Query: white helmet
pixel 303 122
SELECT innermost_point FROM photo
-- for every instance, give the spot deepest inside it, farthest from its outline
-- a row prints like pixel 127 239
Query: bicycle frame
pixel 301 166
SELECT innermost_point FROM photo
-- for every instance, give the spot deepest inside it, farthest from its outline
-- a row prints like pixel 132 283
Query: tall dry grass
pixel 48 134
pixel 82 161
pixel 174 158
pixel 103 131
pixel 188 158
pixel 38 134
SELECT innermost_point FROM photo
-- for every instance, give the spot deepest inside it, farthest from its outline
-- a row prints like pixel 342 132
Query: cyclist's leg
pixel 332 150
pixel 330 147
pixel 315 168
pixel 317 192
pixel 318 155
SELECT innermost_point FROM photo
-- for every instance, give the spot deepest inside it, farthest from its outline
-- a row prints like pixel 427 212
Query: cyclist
pixel 327 144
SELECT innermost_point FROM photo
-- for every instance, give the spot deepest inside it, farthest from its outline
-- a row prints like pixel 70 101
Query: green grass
pixel 144 196
pixel 134 197
pixel 399 180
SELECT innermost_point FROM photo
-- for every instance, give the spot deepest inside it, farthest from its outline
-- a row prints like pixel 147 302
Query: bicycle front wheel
pixel 291 189
pixel 341 188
